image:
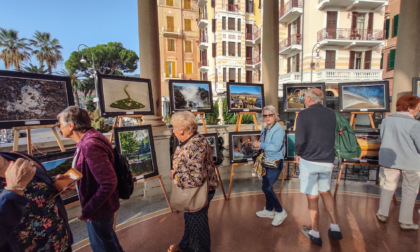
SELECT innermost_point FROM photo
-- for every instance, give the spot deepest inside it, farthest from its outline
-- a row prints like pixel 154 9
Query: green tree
pixel 46 49
pixel 34 69
pixel 15 50
pixel 128 143
pixel 111 58
pixel 75 83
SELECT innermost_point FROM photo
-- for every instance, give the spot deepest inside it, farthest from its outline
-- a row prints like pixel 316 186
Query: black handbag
pixel 275 164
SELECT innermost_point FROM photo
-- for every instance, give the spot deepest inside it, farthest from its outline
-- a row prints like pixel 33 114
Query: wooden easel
pixel 294 125
pixel 202 120
pixel 239 121
pixel 285 170
pixel 231 176
pixel 159 176
pixel 119 119
pixel 354 117
pixel 16 131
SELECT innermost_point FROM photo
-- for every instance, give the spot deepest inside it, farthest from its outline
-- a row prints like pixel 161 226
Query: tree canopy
pixel 46 49
pixel 111 58
pixel 15 50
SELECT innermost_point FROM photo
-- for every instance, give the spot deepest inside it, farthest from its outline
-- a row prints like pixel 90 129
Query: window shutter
pixel 223 23
pixel 239 24
pixel 239 75
pixel 351 62
pixel 173 69
pixel 239 49
pixel 288 64
pixel 170 23
pixel 214 50
pixel 391 60
pixel 187 4
pixel 224 74
pixel 213 25
pixel 187 24
pixel 188 68
pixel 167 68
pixel 297 63
pixel 368 59
pixel 387 23
pixel 224 48
pixel 382 61
pixel 213 4
pixel 395 25
pixel 188 47
pixel 231 48
pixel 330 59
pixel 370 25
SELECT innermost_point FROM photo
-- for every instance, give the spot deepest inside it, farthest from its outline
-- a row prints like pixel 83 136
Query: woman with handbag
pixel 193 168
pixel 272 144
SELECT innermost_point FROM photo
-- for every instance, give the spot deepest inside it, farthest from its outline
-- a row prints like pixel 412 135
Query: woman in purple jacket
pixel 97 189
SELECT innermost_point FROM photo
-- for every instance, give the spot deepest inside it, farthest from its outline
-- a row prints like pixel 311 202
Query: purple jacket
pixel 97 189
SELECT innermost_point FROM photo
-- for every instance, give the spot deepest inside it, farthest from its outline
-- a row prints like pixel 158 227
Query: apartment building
pixel 330 41
pixel 230 42
pixel 178 42
pixel 392 13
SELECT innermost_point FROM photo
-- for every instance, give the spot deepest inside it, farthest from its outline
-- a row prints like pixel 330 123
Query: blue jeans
pixel 102 235
pixel 269 179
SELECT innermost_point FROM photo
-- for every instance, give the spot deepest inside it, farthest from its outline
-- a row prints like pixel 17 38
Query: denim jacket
pixel 272 142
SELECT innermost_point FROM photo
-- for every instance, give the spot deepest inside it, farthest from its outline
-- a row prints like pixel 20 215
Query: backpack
pixel 345 143
pixel 125 185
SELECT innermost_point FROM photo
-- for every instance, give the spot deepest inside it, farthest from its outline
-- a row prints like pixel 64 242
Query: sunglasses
pixel 268 115
pixel 58 125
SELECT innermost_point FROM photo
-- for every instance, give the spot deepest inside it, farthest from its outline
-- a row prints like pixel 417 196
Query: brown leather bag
pixel 189 200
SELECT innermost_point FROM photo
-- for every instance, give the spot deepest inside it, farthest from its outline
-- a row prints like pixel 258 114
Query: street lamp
pixel 93 69
pixel 316 46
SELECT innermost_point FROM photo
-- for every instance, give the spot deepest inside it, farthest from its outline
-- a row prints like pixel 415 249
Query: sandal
pixel 174 248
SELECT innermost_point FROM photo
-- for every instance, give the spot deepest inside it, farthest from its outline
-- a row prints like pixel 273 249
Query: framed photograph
pixel 194 96
pixel 294 95
pixel 122 95
pixel 290 146
pixel 416 86
pixel 136 143
pixel 241 147
pixel 364 96
pixel 28 99
pixel 59 163
pixel 245 97
pixel 212 139
pixel 369 142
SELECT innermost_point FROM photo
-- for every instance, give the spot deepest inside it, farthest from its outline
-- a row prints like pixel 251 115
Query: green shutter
pixel 382 61
pixel 387 22
pixel 395 26
pixel 391 61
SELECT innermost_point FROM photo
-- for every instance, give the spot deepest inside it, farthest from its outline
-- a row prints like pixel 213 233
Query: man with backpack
pixel 314 147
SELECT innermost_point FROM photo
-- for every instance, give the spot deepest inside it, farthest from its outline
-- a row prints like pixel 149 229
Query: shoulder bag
pixel 189 200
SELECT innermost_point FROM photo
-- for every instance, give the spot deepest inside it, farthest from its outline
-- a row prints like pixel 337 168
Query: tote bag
pixel 189 200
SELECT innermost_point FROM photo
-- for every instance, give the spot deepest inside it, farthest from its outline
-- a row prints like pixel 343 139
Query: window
pixel 170 23
pixel 170 2
pixel 224 74
pixel 395 25
pixel 188 47
pixel 386 28
pixel 249 76
pixel 239 24
pixel 368 59
pixel 213 4
pixel 231 24
pixel 216 75
pixel 330 59
pixel 293 64
pixel 204 78
pixel 213 25
pixel 231 48
pixel 249 6
pixel 232 74
pixel 223 23
pixel 239 75
pixel 188 68
pixel 214 50
pixel 224 48
pixel 239 49
pixel 170 69
pixel 187 24
pixel 187 4
pixel 391 60
pixel 171 45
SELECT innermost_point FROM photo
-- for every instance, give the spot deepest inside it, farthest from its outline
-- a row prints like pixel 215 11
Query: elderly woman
pixel 400 154
pixel 98 196
pixel 272 143
pixel 43 224
pixel 192 164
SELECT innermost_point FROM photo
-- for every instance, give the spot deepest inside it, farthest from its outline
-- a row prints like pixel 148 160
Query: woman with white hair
pixel 192 164
pixel 272 144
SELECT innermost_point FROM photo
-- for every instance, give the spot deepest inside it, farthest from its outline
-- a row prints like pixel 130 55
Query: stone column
pixel 270 52
pixel 407 59
pixel 150 57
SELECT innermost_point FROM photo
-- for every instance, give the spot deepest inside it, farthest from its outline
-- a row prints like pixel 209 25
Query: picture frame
pixel 369 142
pixel 122 95
pixel 190 95
pixel 29 99
pixel 212 138
pixel 240 145
pixel 416 86
pixel 59 163
pixel 137 144
pixel 245 97
pixel 364 96
pixel 290 146
pixel 294 95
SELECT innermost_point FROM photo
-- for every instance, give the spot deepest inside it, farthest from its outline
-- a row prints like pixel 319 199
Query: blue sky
pixel 74 22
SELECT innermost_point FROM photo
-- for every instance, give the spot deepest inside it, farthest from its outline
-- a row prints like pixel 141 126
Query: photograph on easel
pixel 241 147
pixel 364 96
pixel 290 146
pixel 194 96
pixel 121 95
pixel 369 142
pixel 28 99
pixel 245 97
pixel 416 86
pixel 136 143
pixel 213 140
pixel 294 95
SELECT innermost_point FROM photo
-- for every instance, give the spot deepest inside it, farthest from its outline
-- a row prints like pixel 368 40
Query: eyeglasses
pixel 268 115
pixel 58 125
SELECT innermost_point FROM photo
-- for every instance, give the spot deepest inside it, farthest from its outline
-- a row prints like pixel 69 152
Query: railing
pixel 289 5
pixel 348 74
pixel 291 40
pixel 253 61
pixel 200 17
pixel 254 35
pixel 232 7
pixel 203 39
pixel 350 34
pixel 289 77
pixel 202 63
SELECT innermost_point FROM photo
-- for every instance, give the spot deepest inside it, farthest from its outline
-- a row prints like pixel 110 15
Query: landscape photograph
pixel 295 95
pixel 245 97
pixel 363 97
pixel 241 145
pixel 190 96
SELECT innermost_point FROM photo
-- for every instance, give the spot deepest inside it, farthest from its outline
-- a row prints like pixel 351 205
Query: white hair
pixel 272 109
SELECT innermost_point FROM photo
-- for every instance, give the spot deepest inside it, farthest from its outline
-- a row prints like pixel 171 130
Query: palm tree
pixel 75 83
pixel 15 50
pixel 34 69
pixel 46 49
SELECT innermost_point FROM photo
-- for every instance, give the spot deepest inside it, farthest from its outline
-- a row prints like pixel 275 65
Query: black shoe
pixel 336 235
pixel 315 240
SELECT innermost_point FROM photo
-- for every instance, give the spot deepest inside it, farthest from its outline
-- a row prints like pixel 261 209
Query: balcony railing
pixel 348 74
pixel 254 35
pixel 350 34
pixel 253 61
pixel 203 39
pixel 289 77
pixel 201 16
pixel 203 63
pixel 291 40
pixel 232 7
pixel 288 6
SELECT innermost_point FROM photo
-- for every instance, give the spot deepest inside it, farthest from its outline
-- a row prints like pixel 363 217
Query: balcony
pixel 290 45
pixel 171 32
pixel 293 77
pixel 347 37
pixel 201 3
pixel 220 87
pixel 253 62
pixel 203 66
pixel 203 44
pixel 290 11
pixel 347 75
pixel 232 7
pixel 253 37
pixel 352 4
pixel 202 21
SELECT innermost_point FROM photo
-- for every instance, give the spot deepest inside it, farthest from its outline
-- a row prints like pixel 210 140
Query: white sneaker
pixel 265 214
pixel 279 218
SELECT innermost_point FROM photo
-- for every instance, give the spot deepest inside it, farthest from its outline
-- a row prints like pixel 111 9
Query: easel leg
pixel 255 121
pixel 285 170
pixel 28 140
pixel 16 134
pixel 164 192
pixel 113 127
pixel 293 171
pixel 353 120
pixel 338 180
pixel 371 122
pixel 115 221
pixel 60 143
pixel 220 181
pixel 240 121
pixel 204 123
pixel 231 180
